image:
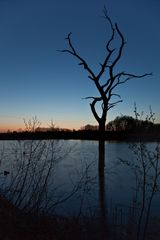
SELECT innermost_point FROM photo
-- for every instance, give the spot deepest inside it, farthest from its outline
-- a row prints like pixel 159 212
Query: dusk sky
pixel 37 80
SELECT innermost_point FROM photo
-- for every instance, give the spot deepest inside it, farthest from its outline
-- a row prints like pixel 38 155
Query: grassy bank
pixel 18 225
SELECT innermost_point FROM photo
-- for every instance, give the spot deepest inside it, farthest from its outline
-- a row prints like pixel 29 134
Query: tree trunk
pixel 101 152
pixel 101 160
pixel 101 173
pixel 102 127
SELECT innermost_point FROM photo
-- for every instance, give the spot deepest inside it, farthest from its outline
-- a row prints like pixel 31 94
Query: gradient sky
pixel 37 80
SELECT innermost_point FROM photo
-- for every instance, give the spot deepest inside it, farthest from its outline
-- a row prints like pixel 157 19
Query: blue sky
pixel 37 80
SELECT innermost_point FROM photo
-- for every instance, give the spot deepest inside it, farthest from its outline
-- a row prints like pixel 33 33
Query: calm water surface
pixel 79 166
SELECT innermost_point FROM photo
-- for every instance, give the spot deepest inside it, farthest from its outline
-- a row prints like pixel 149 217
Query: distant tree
pixel 32 124
pixel 123 123
pixel 89 127
pixel 108 71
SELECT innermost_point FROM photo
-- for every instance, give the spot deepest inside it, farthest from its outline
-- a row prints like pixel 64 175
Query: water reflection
pixel 81 180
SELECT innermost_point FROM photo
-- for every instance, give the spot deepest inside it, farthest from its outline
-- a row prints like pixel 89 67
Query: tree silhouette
pixel 106 82
pixel 106 88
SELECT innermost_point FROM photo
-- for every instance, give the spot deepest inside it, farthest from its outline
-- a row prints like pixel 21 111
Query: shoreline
pixel 83 135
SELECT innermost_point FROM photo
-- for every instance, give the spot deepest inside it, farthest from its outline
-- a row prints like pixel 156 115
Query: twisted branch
pixel 113 80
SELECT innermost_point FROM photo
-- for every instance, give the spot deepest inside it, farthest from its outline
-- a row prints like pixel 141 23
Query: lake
pixel 61 177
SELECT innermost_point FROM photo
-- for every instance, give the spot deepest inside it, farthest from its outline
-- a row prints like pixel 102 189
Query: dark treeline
pixel 84 135
pixel 123 128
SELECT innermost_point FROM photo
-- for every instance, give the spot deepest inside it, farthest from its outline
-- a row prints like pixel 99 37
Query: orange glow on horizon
pixel 21 127
pixel 12 124
pixel 11 128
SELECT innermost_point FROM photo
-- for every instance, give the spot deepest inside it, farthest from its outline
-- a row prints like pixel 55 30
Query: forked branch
pixel 107 71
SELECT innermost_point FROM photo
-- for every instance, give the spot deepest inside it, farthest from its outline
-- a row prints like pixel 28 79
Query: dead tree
pixel 106 80
pixel 106 89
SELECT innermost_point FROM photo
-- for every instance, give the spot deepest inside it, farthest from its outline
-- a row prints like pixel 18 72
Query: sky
pixel 37 80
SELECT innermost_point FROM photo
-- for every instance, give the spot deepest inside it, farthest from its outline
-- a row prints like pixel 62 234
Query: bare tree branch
pixel 111 105
pixel 73 52
pixel 128 77
pixel 107 71
pixel 92 105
